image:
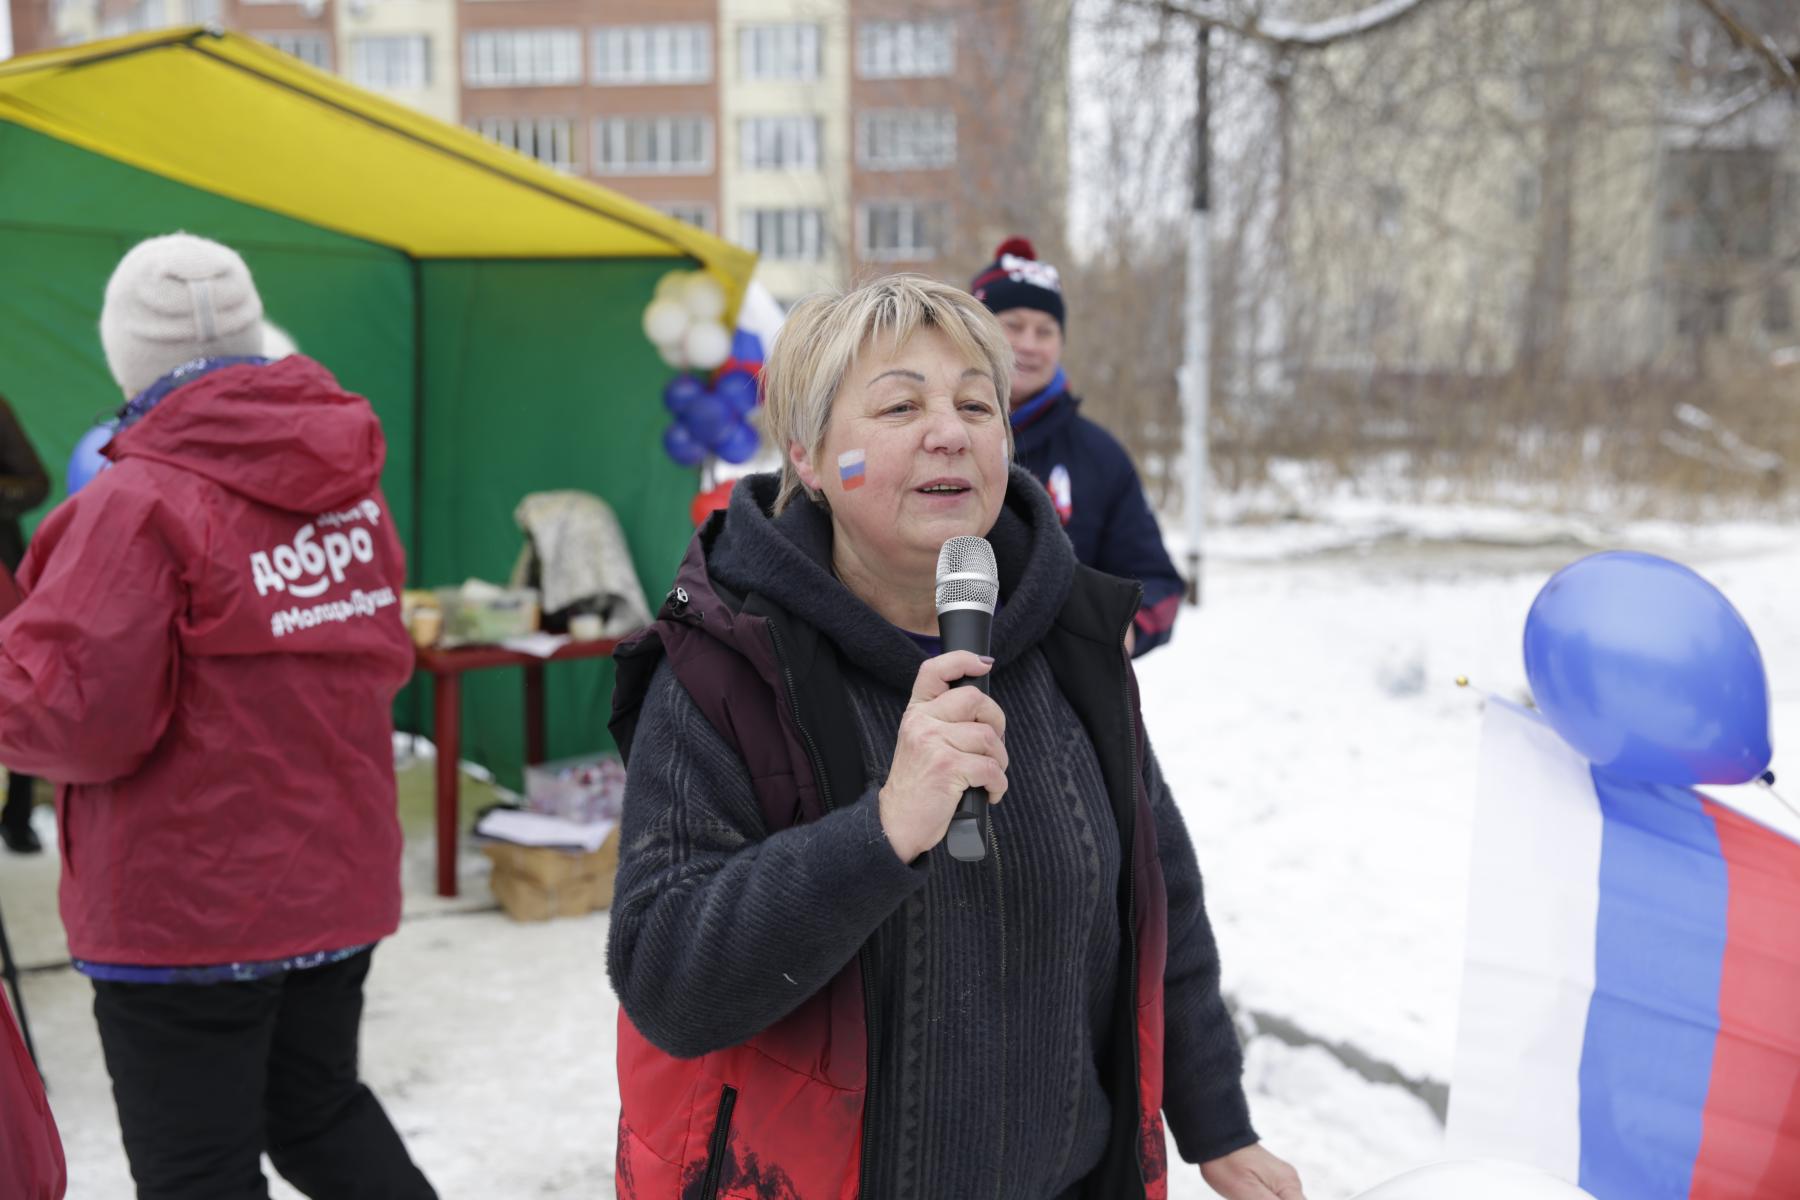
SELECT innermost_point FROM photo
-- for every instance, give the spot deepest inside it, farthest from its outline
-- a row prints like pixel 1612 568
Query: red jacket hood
pixel 285 435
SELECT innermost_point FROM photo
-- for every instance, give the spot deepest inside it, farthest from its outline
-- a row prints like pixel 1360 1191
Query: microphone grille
pixel 967 576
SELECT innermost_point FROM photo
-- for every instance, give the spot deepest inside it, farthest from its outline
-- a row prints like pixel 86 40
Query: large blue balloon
pixel 681 392
pixel 86 462
pixel 1649 672
pixel 739 443
pixel 681 446
pixel 708 420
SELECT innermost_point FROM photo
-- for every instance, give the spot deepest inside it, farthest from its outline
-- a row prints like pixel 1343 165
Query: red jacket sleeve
pixel 88 661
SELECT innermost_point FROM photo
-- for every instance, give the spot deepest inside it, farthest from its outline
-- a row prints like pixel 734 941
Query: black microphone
pixel 968 589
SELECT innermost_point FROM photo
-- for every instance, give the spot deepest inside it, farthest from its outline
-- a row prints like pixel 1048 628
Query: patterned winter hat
pixel 1016 279
pixel 173 299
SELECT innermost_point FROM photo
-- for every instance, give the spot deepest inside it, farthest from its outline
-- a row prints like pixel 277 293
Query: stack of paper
pixel 539 829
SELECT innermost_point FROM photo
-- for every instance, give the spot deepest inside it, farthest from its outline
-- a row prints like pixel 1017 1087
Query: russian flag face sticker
pixel 850 470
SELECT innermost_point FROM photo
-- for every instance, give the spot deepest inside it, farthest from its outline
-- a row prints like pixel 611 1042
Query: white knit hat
pixel 173 299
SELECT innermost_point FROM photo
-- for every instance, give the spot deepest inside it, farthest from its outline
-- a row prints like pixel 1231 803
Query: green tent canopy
pixel 487 306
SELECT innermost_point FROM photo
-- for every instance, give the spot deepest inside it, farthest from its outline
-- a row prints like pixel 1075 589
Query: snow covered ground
pixel 1324 758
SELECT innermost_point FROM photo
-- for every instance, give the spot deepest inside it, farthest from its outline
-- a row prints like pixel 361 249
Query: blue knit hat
pixel 1016 279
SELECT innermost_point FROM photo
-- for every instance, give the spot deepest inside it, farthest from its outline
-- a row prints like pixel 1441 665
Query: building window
pixel 314 49
pixel 905 49
pixel 391 62
pixel 521 57
pixel 779 53
pixel 700 216
pixel 1721 203
pixel 550 140
pixel 1379 315
pixel 899 230
pixel 1386 217
pixel 905 138
pixel 141 15
pixel 653 145
pixel 1702 312
pixel 784 234
pixel 779 143
pixel 653 54
pixel 205 12
pixel 1527 196
pixel 1778 308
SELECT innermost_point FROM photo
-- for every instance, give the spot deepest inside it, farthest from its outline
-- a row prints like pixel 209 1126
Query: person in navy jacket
pixel 1086 471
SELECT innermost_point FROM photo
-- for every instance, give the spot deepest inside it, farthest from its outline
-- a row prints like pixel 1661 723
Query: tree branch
pixel 1783 67
pixel 1289 35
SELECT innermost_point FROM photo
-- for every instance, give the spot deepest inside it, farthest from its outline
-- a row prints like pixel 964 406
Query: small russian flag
pixel 1631 997
pixel 850 470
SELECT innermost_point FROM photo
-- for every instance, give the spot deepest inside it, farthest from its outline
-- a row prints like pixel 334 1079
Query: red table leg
pixel 534 714
pixel 446 731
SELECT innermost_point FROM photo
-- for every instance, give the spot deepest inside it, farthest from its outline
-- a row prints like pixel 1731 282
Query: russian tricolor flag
pixel 1631 998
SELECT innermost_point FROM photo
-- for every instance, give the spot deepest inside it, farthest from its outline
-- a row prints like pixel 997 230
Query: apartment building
pixel 1612 187
pixel 405 49
pixel 837 138
pixel 596 89
pixel 787 139
pixel 960 116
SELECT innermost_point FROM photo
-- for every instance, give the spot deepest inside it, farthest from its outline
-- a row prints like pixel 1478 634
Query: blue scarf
pixel 1035 407
pixel 139 405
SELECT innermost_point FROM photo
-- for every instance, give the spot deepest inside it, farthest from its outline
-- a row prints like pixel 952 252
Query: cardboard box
pixel 534 883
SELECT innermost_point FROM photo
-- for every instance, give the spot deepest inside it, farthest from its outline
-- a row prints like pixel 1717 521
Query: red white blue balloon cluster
pixel 713 403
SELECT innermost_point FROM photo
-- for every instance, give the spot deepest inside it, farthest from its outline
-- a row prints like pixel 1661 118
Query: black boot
pixel 20 839
pixel 15 816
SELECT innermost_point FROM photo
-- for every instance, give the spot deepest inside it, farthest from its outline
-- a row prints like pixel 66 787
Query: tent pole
pixel 416 555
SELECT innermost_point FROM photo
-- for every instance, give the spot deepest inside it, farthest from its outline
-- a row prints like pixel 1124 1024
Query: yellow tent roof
pixel 229 115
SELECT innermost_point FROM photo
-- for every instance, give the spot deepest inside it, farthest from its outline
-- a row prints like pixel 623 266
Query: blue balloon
pixel 739 443
pixel 681 446
pixel 708 420
pixel 681 392
pixel 1649 672
pixel 738 390
pixel 86 462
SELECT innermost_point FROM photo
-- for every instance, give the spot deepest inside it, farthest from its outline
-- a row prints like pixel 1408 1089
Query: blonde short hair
pixel 826 332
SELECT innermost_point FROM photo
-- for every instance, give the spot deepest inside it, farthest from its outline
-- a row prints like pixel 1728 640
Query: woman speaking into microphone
pixel 818 1000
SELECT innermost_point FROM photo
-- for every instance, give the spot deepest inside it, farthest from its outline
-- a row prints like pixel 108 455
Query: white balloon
pixel 707 345
pixel 674 355
pixel 670 286
pixel 1475 1179
pixel 665 322
pixel 704 298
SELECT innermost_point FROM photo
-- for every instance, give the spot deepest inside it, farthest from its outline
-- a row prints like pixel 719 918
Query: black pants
pixel 17 812
pixel 209 1077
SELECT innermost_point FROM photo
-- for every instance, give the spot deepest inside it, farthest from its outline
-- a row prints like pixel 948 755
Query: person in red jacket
pixel 23 486
pixel 204 663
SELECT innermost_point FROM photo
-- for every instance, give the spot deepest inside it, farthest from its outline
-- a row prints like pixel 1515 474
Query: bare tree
pixel 1500 243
